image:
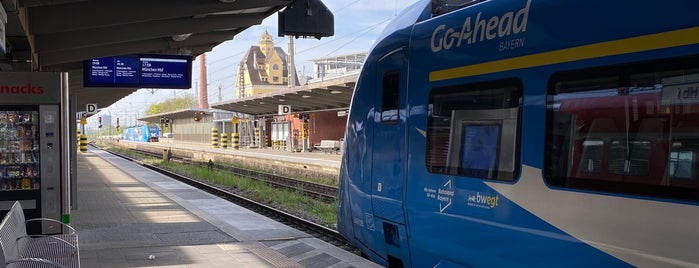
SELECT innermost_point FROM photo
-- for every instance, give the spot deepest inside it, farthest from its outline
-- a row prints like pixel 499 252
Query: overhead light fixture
pixel 305 96
pixel 184 51
pixel 226 1
pixel 181 37
pixel 282 100
pixel 335 92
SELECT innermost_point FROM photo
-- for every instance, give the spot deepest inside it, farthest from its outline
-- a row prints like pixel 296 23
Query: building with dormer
pixel 263 69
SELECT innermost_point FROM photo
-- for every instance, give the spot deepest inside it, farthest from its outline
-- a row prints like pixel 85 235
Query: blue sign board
pixel 139 71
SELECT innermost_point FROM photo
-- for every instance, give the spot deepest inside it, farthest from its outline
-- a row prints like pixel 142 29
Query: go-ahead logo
pixel 480 29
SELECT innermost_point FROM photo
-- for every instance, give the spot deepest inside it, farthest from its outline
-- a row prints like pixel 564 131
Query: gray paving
pixel 129 216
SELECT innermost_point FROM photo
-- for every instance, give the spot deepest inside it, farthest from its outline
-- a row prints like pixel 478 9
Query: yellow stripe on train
pixel 669 39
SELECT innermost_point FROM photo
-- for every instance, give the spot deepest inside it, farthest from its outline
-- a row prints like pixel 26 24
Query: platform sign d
pixel 284 109
pixel 91 108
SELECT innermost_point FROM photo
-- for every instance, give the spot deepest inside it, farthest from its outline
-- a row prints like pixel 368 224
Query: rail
pixel 319 191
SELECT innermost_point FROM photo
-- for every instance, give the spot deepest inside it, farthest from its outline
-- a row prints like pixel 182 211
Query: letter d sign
pixel 284 109
pixel 90 108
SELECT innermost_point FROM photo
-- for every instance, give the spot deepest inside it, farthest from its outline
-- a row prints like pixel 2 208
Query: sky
pixel 357 24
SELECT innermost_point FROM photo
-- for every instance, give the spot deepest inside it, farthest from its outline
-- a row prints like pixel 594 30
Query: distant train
pixel 144 133
pixel 527 133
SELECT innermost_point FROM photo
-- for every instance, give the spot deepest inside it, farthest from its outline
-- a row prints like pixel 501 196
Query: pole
pixel 292 70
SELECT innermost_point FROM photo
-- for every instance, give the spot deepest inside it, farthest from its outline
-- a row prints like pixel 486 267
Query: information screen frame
pixel 139 71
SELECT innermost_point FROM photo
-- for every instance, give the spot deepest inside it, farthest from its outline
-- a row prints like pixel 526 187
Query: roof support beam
pixel 141 31
pixel 54 58
pixel 103 13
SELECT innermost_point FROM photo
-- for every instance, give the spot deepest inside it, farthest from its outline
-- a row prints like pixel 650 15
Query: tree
pixel 175 104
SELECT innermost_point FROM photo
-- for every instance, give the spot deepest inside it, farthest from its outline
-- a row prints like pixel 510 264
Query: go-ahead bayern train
pixel 527 133
pixel 143 133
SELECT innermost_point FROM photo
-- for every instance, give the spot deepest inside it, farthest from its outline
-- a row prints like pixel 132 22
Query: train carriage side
pixel 143 133
pixel 532 138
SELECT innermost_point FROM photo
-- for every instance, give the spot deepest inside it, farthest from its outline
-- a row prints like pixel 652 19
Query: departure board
pixel 139 71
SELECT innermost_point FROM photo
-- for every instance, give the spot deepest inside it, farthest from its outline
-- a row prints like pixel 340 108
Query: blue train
pixel 143 133
pixel 527 133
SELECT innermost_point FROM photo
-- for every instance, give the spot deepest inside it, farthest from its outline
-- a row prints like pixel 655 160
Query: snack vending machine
pixel 32 164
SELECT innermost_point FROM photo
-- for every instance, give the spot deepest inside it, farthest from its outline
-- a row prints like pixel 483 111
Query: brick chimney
pixel 203 93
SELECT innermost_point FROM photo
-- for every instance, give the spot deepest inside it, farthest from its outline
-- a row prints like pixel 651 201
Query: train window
pixel 631 129
pixel 390 97
pixel 473 130
pixel 629 157
pixel 592 153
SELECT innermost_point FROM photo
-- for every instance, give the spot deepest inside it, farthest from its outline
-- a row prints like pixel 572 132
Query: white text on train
pixel 480 29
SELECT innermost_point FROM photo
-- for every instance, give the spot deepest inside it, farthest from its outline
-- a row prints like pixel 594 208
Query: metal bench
pixel 329 146
pixel 22 250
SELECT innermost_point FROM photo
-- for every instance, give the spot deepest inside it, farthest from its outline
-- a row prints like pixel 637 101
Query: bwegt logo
pixel 483 201
pixel 27 89
pixel 480 29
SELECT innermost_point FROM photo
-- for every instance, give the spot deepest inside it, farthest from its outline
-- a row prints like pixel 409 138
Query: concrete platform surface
pixel 130 216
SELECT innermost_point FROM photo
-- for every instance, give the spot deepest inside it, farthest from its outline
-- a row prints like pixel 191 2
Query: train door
pixel 388 150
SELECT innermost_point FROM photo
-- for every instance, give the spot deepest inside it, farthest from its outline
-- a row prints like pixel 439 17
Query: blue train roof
pixel 407 17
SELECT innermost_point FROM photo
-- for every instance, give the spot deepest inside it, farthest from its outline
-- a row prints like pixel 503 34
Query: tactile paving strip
pixel 275 258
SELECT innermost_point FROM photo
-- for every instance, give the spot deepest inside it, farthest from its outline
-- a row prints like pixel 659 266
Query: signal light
pixel 198 116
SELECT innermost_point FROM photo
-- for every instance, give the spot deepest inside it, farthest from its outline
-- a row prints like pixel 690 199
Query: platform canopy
pixel 332 95
pixel 58 35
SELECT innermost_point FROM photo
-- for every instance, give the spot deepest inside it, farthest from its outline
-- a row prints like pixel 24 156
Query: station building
pixel 267 111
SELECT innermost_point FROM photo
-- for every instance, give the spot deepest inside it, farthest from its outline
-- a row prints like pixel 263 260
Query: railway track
pixel 317 230
pixel 322 192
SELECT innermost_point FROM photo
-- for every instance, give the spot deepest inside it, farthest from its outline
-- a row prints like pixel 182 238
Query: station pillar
pixel 83 143
pixel 214 137
pixel 304 136
pixel 236 140
pixel 235 136
pixel 257 137
pixel 77 141
pixel 224 140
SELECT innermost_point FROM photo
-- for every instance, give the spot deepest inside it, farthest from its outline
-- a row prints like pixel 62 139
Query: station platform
pixel 130 216
pixel 306 164
pixel 315 157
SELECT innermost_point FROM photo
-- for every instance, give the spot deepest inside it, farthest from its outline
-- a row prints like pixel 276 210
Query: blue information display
pixel 139 71
pixel 126 70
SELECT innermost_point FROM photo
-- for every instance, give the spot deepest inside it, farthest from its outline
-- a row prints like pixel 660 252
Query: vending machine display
pixel 19 150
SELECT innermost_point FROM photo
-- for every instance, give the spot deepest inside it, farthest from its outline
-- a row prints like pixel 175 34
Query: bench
pixel 329 146
pixel 22 250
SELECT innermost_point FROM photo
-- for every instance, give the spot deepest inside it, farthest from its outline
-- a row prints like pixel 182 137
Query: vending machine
pixel 32 162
